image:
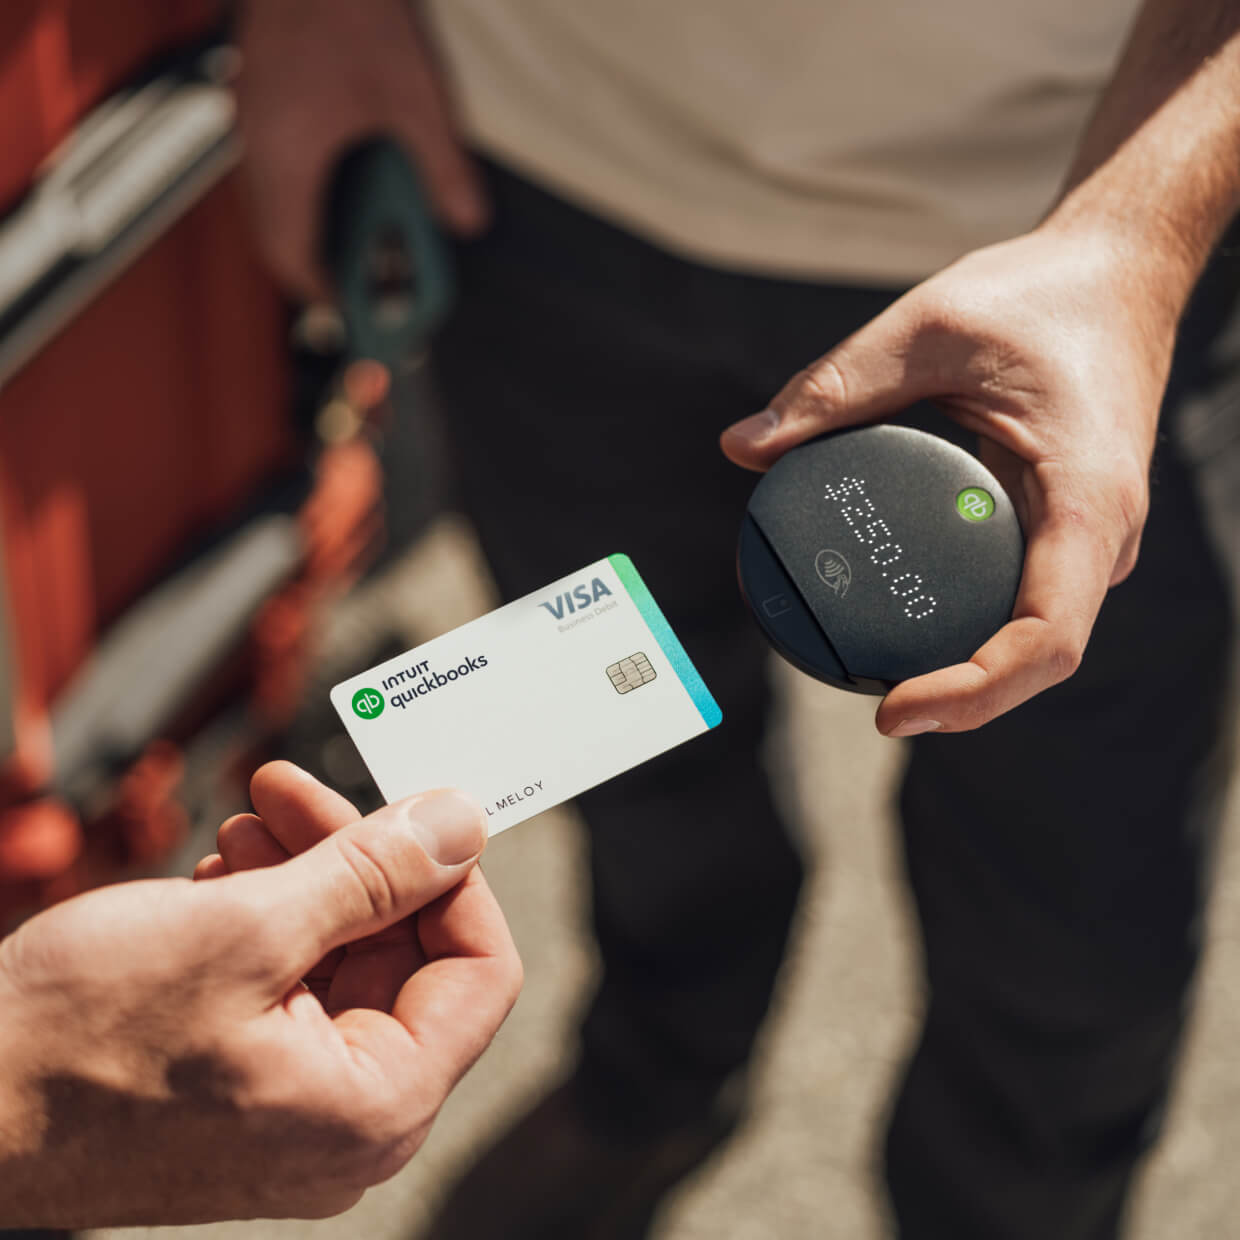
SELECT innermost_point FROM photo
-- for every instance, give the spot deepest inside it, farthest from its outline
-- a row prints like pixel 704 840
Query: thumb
pixel 865 377
pixel 369 875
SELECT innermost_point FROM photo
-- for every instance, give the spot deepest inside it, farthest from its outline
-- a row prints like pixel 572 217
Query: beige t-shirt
pixel 858 139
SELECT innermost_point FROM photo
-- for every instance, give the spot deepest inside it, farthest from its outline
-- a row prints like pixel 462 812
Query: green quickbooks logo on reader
pixel 974 504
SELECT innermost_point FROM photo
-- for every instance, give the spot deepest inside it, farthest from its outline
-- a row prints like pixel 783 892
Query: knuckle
pixel 1113 491
pixel 944 315
pixel 814 389
pixel 381 1140
pixel 471 1046
pixel 1124 565
pixel 1063 657
pixel 1132 499
pixel 516 981
pixel 513 979
pixel 372 879
pixel 824 382
pixel 396 1154
pixel 320 1178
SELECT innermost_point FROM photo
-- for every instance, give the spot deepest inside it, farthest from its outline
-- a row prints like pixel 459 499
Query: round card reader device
pixel 873 555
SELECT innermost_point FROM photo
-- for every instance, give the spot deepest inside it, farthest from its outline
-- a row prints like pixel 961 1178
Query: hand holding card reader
pixel 873 555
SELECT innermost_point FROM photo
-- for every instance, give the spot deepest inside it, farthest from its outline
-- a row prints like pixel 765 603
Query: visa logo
pixel 578 597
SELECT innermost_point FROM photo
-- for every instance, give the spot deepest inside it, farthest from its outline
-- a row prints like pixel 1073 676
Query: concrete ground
pixel 804 1166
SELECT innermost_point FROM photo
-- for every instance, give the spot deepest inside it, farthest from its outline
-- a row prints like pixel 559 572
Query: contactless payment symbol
pixel 833 571
pixel 974 504
pixel 368 704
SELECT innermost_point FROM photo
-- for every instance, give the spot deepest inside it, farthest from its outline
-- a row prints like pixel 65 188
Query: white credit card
pixel 534 703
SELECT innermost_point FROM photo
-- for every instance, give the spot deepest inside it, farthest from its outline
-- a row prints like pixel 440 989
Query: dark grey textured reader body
pixel 873 555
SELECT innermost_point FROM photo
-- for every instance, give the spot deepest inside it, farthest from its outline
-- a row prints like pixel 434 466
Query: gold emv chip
pixel 631 673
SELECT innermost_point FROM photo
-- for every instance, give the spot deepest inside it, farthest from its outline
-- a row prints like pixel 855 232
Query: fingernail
pixel 915 727
pixel 757 427
pixel 448 824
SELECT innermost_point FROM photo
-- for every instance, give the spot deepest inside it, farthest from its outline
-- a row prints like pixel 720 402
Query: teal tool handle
pixel 390 266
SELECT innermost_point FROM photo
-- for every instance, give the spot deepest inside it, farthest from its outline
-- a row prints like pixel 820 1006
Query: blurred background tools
pixel 186 485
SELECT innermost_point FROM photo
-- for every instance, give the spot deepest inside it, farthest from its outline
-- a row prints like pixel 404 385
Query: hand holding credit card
pixel 534 703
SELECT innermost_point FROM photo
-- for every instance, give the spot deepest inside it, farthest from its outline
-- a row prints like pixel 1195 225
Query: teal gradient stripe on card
pixel 657 623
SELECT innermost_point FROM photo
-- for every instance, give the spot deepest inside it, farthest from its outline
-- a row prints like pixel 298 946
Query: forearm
pixel 1158 169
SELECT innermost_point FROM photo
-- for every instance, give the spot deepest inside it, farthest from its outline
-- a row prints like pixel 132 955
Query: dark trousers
pixel 1057 856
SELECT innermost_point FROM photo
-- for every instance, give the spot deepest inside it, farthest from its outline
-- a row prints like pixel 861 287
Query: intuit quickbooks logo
pixel 368 704
pixel 431 680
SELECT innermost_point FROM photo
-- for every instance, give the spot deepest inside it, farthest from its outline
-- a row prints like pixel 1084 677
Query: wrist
pixel 1144 265
pixel 1157 172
